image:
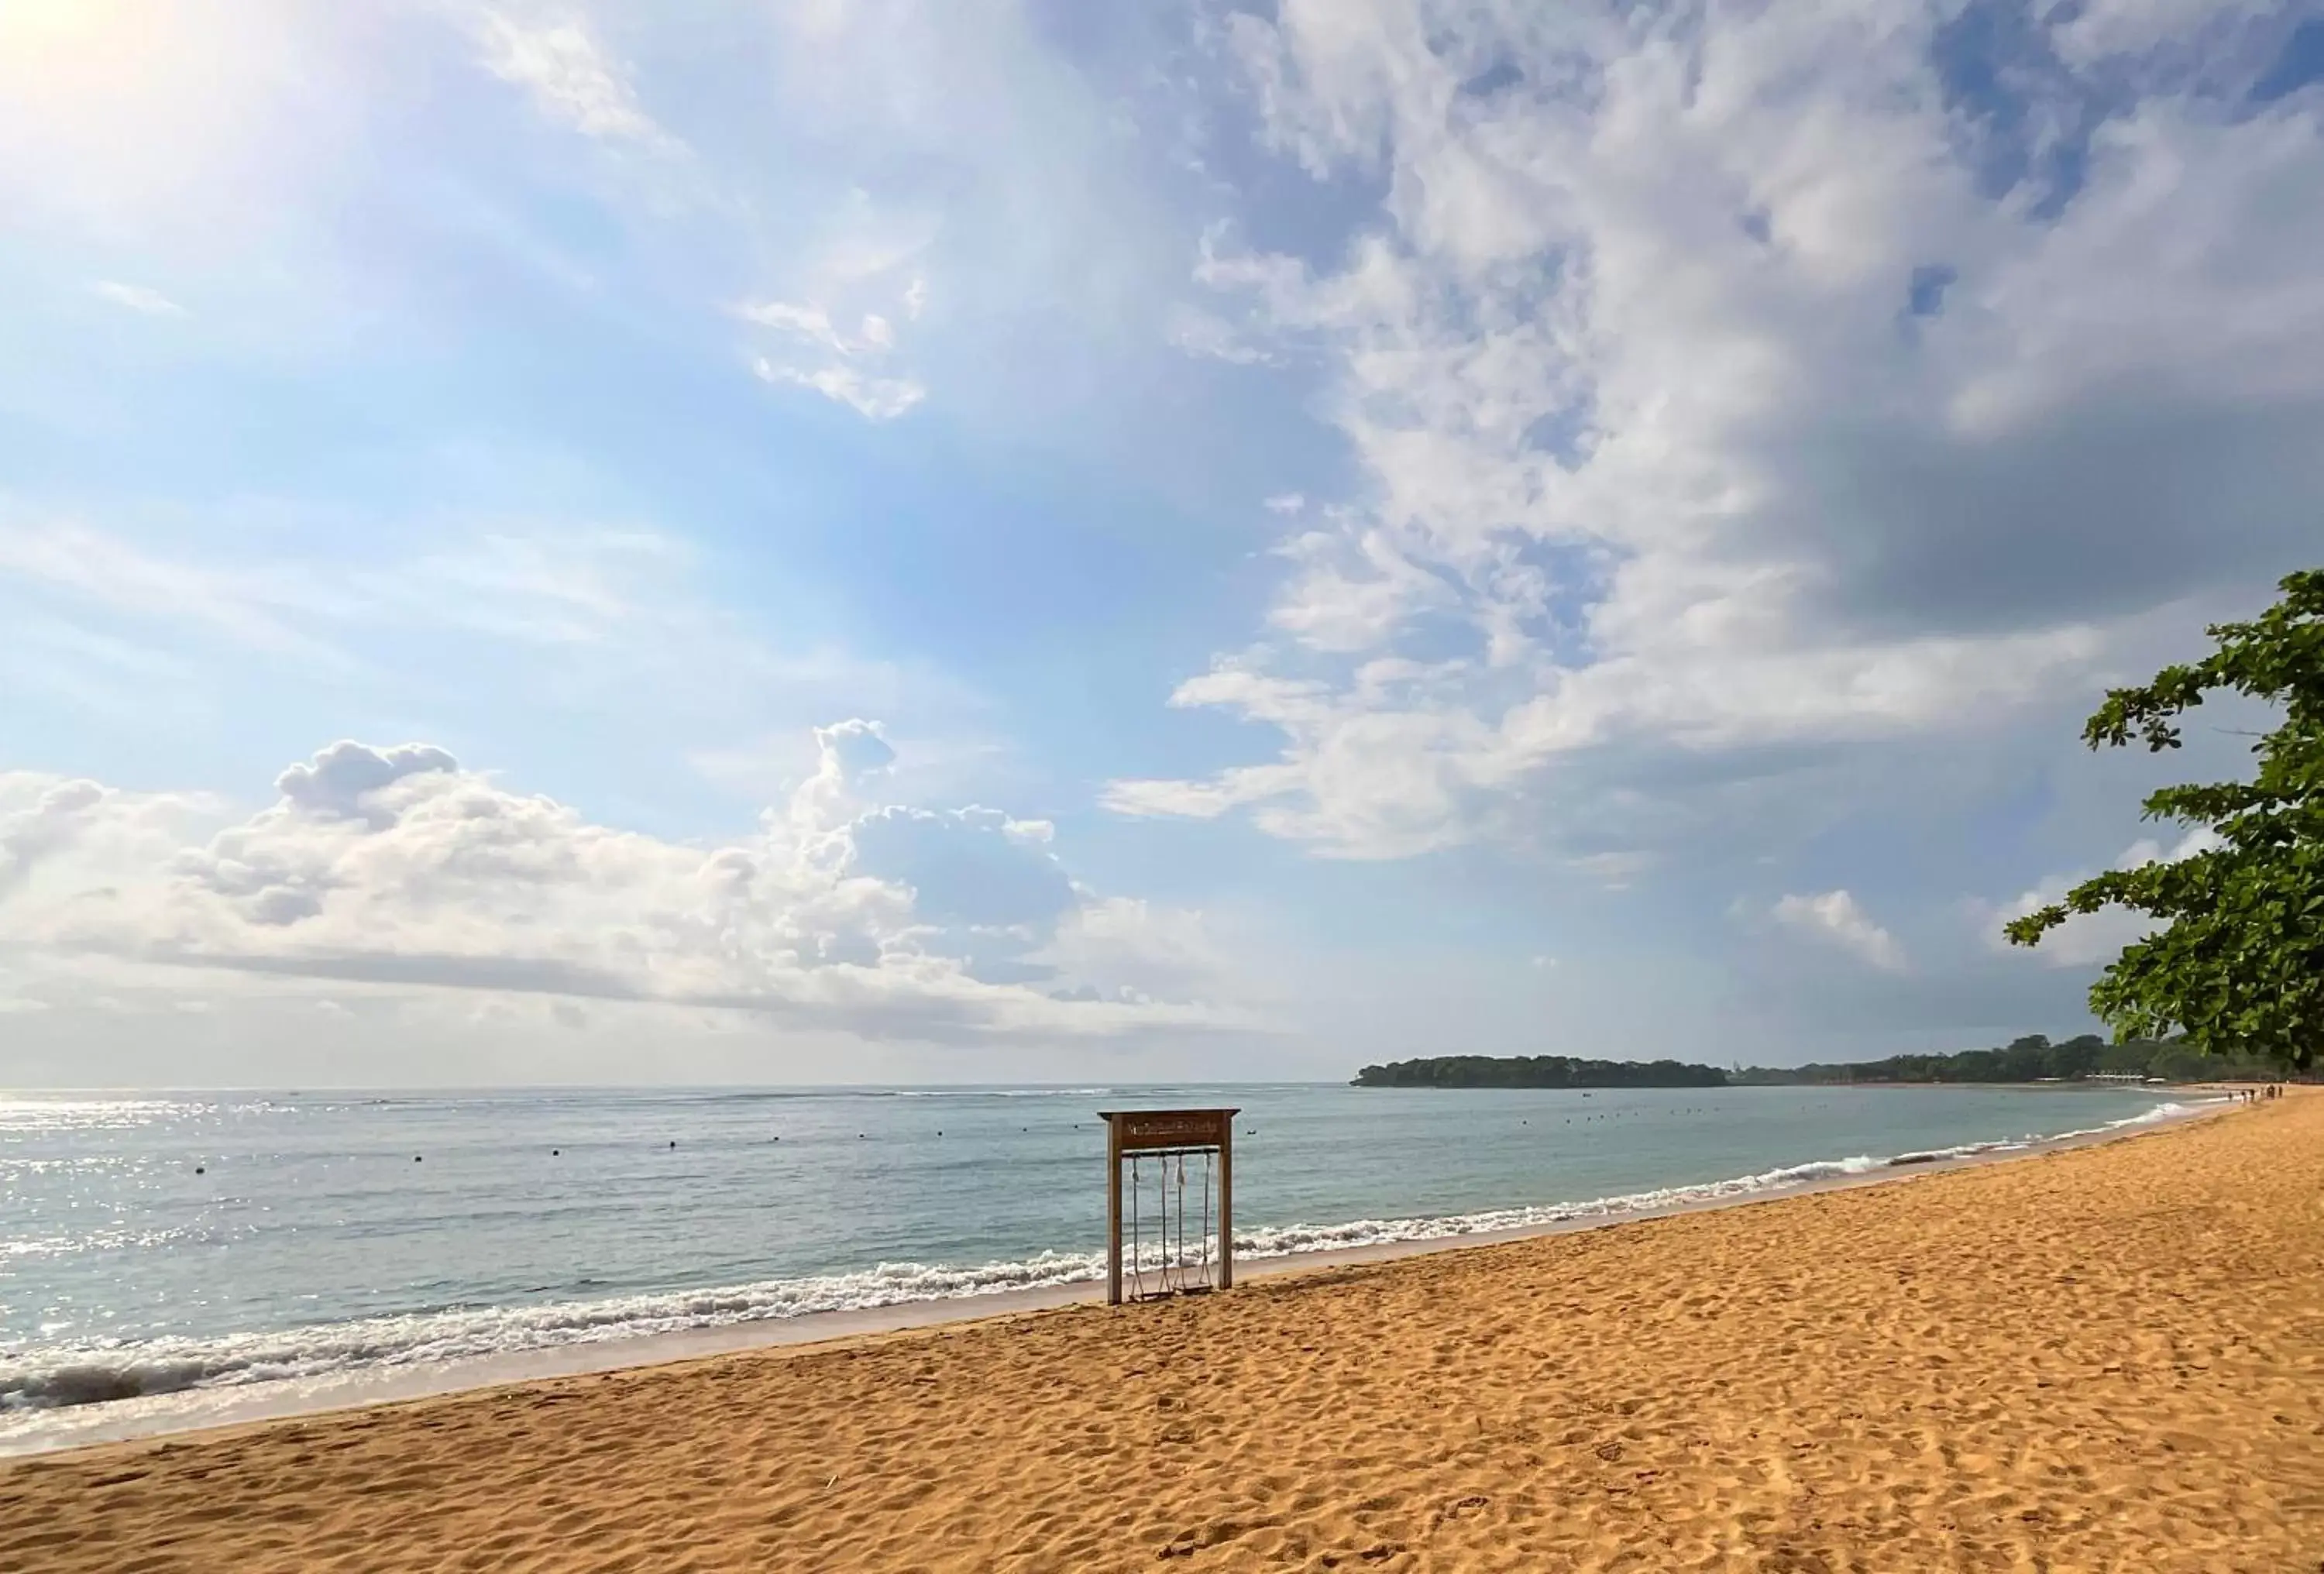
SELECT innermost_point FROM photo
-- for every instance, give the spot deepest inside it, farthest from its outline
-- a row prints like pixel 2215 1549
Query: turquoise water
pixel 156 1242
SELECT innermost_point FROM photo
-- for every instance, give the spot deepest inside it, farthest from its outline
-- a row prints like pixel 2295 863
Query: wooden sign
pixel 1140 1130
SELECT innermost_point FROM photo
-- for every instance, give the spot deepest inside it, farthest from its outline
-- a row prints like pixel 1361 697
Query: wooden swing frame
pixel 1166 1133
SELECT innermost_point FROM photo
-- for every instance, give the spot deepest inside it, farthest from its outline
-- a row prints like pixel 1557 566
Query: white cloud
pixel 2100 29
pixel 1210 336
pixel 136 298
pixel 878 398
pixel 810 323
pixel 570 78
pixel 342 781
pixel 1708 396
pixel 568 587
pixel 2086 939
pixel 850 368
pixel 1122 949
pixel 63 556
pixel 397 869
pixel 1835 919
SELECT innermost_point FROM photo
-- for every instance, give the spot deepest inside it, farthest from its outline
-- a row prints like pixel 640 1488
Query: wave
pixel 60 1375
pixel 2170 1109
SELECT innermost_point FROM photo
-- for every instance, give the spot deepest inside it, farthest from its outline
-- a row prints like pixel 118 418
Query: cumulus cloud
pixel 854 748
pixel 1119 948
pixel 1733 380
pixel 338 781
pixel 1835 919
pixel 39 828
pixel 399 868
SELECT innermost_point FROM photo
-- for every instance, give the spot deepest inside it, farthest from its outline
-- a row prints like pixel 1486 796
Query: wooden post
pixel 1226 1205
pixel 1112 1211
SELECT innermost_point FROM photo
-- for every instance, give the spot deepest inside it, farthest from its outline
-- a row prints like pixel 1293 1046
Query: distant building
pixel 2122 1077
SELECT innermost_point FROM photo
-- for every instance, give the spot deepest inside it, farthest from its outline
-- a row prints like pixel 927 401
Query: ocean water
pixel 152 1243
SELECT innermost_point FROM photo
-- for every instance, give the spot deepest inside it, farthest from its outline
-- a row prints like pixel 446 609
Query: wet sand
pixel 2106 1358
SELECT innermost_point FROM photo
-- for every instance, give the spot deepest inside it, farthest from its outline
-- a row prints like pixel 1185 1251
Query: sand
pixel 2105 1359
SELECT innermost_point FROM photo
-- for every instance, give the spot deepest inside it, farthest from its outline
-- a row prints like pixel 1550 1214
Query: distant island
pixel 1537 1071
pixel 2031 1059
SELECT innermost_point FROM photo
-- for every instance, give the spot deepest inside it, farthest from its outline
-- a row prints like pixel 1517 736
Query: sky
pixel 977 540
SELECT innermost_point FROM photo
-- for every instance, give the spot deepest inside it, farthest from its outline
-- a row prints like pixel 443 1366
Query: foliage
pixel 2031 1059
pixel 2237 966
pixel 1538 1070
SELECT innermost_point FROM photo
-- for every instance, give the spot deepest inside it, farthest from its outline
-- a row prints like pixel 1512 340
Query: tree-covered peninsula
pixel 1537 1071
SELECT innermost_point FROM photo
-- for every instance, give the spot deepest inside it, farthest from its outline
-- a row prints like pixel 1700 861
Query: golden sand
pixel 2107 1359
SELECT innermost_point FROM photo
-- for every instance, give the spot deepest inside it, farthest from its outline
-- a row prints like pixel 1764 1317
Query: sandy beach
pixel 2109 1357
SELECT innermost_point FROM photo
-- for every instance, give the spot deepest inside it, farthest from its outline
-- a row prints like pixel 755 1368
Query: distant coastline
pixel 2031 1061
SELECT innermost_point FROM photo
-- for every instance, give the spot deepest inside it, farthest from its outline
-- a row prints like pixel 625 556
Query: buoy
pixel 555 1151
pixel 415 1159
pixel 199 1171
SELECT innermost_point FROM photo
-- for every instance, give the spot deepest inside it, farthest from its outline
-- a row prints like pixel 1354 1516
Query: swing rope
pixel 1206 1219
pixel 1178 1250
pixel 1137 1280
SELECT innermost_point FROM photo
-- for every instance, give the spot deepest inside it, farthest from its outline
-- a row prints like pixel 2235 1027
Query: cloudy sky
pixel 860 540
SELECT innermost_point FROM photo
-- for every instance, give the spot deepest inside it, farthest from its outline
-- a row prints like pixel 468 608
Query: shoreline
pixel 201 1410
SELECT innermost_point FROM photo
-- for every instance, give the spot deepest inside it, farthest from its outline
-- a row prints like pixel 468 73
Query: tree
pixel 2239 966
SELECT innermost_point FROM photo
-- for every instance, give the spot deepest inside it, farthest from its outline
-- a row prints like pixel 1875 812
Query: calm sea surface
pixel 154 1242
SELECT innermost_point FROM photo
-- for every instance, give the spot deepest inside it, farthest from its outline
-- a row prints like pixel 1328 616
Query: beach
pixel 2109 1357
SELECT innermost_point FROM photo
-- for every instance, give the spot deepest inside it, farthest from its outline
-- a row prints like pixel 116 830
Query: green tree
pixel 2239 966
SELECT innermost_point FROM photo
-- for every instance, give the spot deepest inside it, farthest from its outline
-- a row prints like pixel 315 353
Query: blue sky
pixel 859 539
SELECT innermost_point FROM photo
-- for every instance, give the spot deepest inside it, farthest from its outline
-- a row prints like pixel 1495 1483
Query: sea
pixel 159 1242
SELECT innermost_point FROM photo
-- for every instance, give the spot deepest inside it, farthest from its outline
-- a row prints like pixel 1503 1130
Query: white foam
pixel 86 1373
pixel 2170 1109
pixel 53 1377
